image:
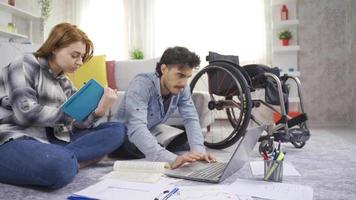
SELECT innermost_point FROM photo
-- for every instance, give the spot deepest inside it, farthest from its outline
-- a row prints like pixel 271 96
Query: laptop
pixel 218 171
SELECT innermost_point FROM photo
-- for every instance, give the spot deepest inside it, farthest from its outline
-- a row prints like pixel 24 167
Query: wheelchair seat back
pixel 221 83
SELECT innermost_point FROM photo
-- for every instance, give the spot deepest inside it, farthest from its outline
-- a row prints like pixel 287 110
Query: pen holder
pixel 273 170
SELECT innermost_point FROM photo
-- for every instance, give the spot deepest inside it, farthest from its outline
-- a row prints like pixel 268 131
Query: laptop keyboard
pixel 213 170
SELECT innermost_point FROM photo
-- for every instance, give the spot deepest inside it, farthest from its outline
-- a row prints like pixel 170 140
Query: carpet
pixel 327 163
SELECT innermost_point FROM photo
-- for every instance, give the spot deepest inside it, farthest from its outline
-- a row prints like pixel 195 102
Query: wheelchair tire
pixel 230 94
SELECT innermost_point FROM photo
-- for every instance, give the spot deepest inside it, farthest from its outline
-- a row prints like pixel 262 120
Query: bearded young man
pixel 151 99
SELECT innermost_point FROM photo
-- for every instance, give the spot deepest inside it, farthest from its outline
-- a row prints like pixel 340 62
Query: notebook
pixel 217 172
pixel 84 101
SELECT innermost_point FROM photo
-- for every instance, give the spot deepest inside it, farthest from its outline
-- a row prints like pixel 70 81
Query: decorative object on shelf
pixel 285 36
pixel 11 2
pixel 45 8
pixel 11 27
pixel 284 13
pixel 136 54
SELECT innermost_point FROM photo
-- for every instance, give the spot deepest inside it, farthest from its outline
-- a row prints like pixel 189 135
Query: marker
pixel 170 193
pixel 159 196
pixel 265 156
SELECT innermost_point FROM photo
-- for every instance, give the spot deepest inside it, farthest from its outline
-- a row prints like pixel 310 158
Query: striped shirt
pixel 30 97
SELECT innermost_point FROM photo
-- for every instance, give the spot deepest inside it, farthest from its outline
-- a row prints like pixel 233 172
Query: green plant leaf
pixel 136 54
pixel 285 34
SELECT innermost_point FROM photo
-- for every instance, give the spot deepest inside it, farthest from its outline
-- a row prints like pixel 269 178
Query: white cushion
pixel 126 70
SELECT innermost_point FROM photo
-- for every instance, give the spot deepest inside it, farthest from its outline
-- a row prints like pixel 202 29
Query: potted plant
pixel 136 54
pixel 285 36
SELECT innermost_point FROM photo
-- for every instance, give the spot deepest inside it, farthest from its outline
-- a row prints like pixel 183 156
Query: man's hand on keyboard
pixel 208 158
pixel 190 157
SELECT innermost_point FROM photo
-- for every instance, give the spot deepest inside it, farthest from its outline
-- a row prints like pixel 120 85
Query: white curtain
pixel 103 21
pixel 139 25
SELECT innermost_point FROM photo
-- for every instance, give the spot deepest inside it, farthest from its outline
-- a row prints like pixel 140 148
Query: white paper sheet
pixel 271 190
pixel 217 192
pixel 110 188
pixel 257 168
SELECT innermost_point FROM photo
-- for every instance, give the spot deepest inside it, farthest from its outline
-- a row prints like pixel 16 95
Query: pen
pixel 279 145
pixel 170 193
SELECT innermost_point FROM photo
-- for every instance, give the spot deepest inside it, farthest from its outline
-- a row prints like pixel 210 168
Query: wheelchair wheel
pixel 229 103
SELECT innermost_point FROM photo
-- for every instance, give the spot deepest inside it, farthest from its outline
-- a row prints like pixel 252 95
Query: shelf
pixel 12 35
pixel 285 23
pixel 17 11
pixel 286 49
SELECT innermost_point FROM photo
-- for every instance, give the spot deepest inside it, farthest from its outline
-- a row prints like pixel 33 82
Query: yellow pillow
pixel 95 68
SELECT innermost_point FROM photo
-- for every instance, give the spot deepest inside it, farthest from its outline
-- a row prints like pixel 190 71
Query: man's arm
pixel 136 104
pixel 191 121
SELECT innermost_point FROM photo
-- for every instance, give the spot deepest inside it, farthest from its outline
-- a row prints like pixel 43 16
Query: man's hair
pixel 61 36
pixel 179 56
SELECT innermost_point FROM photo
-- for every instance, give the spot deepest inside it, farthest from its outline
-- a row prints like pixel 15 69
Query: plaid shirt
pixel 30 97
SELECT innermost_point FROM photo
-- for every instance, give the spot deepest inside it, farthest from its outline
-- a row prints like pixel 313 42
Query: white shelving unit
pixel 285 57
pixel 13 14
pixel 7 34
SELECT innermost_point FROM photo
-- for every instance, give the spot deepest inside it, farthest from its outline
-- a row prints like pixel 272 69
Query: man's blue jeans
pixel 27 162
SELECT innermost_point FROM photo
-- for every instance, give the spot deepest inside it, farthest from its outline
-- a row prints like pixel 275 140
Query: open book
pixel 165 134
pixel 137 171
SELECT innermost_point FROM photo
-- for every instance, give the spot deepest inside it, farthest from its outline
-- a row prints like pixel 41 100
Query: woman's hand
pixel 107 100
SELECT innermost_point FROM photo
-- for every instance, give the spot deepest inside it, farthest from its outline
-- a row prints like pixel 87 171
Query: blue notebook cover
pixel 84 101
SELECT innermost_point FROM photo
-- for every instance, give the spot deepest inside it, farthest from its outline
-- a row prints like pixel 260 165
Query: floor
pixel 327 163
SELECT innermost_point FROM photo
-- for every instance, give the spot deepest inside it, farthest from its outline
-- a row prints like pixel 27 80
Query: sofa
pixel 120 73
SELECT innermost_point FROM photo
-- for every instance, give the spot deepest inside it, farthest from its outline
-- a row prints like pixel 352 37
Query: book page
pixel 140 166
pixel 144 177
pixel 165 134
pixel 137 171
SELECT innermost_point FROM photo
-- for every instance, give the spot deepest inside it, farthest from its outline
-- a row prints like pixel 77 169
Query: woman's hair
pixel 61 36
pixel 180 56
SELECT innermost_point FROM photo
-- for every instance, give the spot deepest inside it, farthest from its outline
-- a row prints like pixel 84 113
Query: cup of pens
pixel 273 170
pixel 273 166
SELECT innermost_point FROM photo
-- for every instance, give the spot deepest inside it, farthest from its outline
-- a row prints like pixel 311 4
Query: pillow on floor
pixel 95 68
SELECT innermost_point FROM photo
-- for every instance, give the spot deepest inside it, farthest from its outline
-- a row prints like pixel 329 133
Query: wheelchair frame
pixel 246 104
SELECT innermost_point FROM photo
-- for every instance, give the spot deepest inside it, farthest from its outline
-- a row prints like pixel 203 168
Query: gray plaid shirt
pixel 30 97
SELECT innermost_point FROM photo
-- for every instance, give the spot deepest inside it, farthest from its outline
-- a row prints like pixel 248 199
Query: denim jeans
pixel 28 162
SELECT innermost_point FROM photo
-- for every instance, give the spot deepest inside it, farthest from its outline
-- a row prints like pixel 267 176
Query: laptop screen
pixel 243 149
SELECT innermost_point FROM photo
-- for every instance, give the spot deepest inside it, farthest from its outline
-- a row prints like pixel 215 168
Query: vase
pixel 285 42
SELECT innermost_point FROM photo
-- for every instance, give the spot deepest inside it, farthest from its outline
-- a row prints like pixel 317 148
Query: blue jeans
pixel 28 162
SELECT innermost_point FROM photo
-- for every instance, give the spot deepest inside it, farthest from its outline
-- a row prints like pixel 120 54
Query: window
pixel 224 26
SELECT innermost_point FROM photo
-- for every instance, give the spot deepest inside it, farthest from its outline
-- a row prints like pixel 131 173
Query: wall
pixel 327 60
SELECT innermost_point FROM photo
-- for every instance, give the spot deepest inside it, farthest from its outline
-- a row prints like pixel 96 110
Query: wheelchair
pixel 229 87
